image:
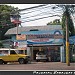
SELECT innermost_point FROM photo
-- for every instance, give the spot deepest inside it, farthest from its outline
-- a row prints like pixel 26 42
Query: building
pixel 34 38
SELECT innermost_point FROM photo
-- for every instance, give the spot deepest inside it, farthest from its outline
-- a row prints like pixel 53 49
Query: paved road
pixel 38 66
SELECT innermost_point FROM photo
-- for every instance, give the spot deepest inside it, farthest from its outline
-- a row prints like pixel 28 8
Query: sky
pixel 33 23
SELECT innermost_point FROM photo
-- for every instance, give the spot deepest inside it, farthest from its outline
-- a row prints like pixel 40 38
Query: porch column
pixel 62 54
pixel 28 51
pixel 39 48
pixel 32 53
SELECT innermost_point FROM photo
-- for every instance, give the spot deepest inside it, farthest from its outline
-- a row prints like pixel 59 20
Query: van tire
pixel 5 62
pixel 1 61
pixel 21 61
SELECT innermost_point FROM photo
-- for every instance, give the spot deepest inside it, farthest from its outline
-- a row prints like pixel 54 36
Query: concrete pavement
pixel 38 66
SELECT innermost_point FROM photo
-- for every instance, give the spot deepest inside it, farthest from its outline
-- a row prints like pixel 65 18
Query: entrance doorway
pixel 34 54
pixel 54 52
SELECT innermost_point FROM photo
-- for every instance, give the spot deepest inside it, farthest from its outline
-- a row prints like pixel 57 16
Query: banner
pixel 21 37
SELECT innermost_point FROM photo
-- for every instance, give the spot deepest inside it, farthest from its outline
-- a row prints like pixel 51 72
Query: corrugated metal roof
pixel 28 28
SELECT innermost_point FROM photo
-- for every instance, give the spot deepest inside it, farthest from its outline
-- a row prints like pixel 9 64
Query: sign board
pixel 21 37
pixel 55 36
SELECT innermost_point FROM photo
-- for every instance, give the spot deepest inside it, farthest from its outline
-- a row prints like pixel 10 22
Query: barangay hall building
pixel 32 39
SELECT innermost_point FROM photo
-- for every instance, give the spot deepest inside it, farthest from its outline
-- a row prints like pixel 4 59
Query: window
pixel 12 52
pixel 41 53
pixel 73 51
pixel 25 51
pixel 4 52
pixel 34 30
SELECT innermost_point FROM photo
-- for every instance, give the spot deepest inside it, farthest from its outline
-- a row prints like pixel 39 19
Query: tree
pixel 54 22
pixel 70 24
pixel 68 10
pixel 5 22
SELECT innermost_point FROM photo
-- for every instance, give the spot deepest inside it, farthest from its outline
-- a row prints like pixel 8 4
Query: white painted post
pixel 62 54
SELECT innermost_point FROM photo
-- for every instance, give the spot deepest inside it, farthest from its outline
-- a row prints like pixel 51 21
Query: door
pixel 34 54
pixel 4 54
pixel 13 56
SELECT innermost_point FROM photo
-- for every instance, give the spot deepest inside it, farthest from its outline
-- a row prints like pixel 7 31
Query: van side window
pixel 12 52
pixel 4 52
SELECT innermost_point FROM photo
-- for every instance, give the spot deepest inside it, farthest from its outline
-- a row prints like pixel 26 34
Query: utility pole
pixel 67 41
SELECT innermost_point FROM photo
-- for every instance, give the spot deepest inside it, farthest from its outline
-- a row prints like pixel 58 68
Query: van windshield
pixel 41 53
pixel 19 51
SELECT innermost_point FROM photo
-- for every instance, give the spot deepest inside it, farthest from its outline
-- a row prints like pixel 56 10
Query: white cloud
pixel 22 6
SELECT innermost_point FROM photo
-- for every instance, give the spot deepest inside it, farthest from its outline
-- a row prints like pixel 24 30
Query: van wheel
pixel 21 61
pixel 1 61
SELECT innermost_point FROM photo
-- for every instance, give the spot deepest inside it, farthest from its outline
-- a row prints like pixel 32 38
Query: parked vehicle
pixel 41 55
pixel 13 55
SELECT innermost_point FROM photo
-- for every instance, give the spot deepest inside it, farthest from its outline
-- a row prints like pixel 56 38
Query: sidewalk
pixel 38 66
pixel 53 66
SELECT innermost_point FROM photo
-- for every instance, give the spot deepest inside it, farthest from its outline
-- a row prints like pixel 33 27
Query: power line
pixel 23 9
pixel 32 7
pixel 40 14
pixel 42 7
pixel 38 9
pixel 40 18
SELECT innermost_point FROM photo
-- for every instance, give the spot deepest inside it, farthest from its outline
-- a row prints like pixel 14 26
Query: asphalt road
pixel 38 66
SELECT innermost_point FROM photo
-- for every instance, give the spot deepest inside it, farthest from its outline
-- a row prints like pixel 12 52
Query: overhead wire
pixel 22 9
pixel 31 7
pixel 40 14
pixel 34 10
pixel 40 18
pixel 39 9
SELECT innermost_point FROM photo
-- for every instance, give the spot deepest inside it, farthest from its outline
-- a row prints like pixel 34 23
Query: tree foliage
pixel 5 22
pixel 70 24
pixel 68 10
pixel 54 22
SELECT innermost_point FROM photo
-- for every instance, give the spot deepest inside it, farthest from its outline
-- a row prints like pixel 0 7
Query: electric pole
pixel 67 40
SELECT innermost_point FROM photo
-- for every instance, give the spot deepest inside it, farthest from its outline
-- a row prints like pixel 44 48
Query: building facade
pixel 39 38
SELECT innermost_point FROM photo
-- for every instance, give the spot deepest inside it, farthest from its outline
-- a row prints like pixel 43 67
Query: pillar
pixel 39 48
pixel 28 51
pixel 62 54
